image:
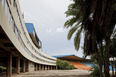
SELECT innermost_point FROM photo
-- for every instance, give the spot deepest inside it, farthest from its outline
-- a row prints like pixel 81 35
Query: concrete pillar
pixel 39 66
pixel 42 67
pixel 56 68
pixel 28 66
pixel 18 65
pixel 9 65
pixel 23 65
pixel 45 67
pixel 51 68
pixel 36 66
pixel 48 67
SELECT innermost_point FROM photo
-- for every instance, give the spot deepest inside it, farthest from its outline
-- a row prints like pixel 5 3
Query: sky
pixel 48 17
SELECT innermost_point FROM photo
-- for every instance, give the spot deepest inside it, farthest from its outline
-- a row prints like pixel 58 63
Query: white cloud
pixel 59 30
pixel 48 30
pixel 48 18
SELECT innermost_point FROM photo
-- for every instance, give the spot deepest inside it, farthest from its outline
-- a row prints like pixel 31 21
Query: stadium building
pixel 79 63
pixel 20 47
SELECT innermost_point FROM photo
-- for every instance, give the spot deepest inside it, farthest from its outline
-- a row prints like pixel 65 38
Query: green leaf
pixel 72 30
pixel 77 39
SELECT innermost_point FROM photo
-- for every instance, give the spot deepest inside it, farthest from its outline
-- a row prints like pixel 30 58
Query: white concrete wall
pixel 9 30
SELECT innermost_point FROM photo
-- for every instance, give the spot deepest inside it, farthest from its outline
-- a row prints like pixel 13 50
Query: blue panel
pixel 89 64
pixel 29 27
pixel 110 67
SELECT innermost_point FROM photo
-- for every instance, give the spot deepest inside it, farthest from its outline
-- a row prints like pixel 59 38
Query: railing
pixel 17 32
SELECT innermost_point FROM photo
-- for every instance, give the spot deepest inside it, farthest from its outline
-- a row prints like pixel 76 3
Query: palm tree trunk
pixel 112 68
pixel 115 67
pixel 100 64
pixel 107 57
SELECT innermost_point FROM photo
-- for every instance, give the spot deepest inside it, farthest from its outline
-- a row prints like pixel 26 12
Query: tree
pixel 64 65
pixel 96 19
pixel 113 53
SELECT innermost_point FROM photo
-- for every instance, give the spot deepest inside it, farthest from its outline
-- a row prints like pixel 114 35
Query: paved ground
pixel 55 73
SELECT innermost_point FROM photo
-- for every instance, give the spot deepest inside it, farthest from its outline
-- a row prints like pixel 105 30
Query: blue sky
pixel 48 17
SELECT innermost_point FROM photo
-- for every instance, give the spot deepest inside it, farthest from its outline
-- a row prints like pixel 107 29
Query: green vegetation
pixel 96 20
pixel 64 65
pixel 95 72
pixel 2 68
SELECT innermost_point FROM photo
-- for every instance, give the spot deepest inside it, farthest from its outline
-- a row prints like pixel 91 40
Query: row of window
pixel 17 32
pixel 27 38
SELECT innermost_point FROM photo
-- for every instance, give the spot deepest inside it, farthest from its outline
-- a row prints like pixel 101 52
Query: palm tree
pixel 96 19
pixel 113 53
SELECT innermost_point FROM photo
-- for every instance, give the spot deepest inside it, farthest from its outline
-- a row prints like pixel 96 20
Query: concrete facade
pixel 18 52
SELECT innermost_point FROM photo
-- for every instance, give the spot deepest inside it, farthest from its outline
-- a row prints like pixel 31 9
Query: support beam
pixel 9 64
pixel 23 66
pixel 45 67
pixel 42 67
pixel 28 66
pixel 36 66
pixel 18 65
pixel 56 68
pixel 39 66
pixel 48 67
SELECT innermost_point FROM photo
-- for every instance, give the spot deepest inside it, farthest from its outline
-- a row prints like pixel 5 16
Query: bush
pixel 64 65
pixel 2 68
pixel 95 72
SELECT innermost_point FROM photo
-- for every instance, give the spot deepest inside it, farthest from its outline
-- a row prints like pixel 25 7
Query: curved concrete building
pixel 19 43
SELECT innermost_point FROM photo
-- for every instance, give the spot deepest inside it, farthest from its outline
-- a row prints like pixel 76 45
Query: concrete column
pixel 42 67
pixel 56 68
pixel 23 65
pixel 36 66
pixel 39 66
pixel 28 66
pixel 9 65
pixel 18 65
pixel 50 67
pixel 45 67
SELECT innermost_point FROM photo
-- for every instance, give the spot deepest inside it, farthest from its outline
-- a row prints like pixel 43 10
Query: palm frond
pixel 71 12
pixel 77 39
pixel 72 30
pixel 70 22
